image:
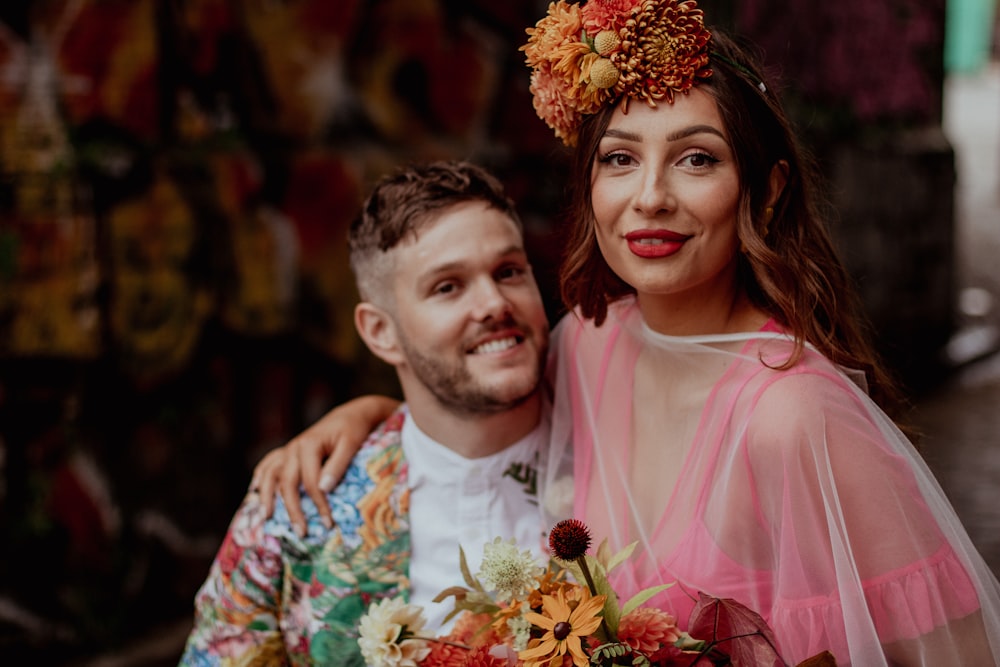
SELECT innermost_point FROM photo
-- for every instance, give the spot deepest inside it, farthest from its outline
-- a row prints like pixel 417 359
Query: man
pixel 448 299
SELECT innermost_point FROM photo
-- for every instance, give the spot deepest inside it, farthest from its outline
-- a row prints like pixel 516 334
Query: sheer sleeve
pixel 849 507
pixel 787 490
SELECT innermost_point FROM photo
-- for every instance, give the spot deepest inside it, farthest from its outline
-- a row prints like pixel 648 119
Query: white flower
pixel 520 627
pixel 506 570
pixel 389 634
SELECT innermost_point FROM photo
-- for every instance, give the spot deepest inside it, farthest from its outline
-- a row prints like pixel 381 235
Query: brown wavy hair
pixel 794 273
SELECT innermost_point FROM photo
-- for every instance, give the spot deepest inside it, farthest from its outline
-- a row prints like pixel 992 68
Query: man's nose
pixel 490 301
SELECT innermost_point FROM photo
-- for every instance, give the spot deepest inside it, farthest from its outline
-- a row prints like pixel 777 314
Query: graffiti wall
pixel 176 181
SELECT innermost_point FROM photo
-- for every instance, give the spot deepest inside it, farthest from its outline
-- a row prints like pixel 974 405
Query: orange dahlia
pixel 601 15
pixel 647 629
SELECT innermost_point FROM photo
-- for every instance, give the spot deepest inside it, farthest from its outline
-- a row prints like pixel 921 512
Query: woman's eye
pixel 699 160
pixel 445 288
pixel 617 159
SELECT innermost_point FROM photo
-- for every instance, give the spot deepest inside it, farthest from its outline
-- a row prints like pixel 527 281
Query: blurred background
pixel 176 179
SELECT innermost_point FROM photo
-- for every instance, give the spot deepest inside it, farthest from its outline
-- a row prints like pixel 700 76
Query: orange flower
pixel 584 57
pixel 444 655
pixel 474 630
pixel 482 657
pixel 565 628
pixel 601 15
pixel 664 50
pixel 647 629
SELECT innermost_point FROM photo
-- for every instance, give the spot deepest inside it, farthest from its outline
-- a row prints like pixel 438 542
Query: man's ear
pixel 378 330
pixel 776 181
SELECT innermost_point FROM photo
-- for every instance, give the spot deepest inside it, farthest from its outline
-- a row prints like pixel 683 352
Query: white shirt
pixel 469 502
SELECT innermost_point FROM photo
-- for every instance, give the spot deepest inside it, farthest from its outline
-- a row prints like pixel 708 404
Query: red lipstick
pixel 654 243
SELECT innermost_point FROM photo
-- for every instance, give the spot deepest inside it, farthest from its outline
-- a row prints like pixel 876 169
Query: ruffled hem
pixel 902 605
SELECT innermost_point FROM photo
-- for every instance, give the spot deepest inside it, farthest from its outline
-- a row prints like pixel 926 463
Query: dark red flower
pixel 569 539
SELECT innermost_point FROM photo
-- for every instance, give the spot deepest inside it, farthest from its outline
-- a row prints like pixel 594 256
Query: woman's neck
pixel 695 314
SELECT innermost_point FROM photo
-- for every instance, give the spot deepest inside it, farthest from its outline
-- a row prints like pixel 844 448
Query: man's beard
pixel 456 388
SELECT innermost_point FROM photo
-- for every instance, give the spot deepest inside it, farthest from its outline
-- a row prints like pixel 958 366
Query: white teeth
pixel 495 346
pixel 650 241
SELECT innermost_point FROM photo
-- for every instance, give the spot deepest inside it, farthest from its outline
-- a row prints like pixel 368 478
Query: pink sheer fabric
pixel 787 490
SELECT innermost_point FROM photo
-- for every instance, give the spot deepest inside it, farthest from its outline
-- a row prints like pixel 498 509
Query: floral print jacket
pixel 272 598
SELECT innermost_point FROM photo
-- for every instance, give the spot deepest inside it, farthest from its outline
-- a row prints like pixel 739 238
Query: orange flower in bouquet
pixel 516 613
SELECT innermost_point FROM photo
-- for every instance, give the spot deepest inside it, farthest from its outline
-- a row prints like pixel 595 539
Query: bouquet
pixel 516 613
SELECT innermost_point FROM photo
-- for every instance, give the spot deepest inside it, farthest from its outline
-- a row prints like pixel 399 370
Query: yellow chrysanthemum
pixel 565 629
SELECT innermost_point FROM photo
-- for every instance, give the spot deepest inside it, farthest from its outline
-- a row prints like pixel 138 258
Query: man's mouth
pixel 496 345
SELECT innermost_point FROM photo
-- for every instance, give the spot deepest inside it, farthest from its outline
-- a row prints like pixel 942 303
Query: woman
pixel 713 388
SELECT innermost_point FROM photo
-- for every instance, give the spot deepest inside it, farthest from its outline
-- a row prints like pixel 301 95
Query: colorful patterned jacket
pixel 272 598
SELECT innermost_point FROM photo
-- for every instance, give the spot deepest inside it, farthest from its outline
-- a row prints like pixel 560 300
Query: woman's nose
pixel 654 194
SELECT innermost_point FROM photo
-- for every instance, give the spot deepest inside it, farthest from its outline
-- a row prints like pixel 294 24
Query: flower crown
pixel 584 56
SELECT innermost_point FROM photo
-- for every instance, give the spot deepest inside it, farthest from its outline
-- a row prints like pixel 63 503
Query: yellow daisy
pixel 565 628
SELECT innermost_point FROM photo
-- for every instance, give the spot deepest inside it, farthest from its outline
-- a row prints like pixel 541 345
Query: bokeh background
pixel 176 179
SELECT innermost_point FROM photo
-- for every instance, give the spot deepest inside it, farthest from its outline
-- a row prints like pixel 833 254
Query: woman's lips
pixel 654 243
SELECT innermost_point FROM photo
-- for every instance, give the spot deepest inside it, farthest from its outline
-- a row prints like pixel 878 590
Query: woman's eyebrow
pixel 673 136
pixel 694 129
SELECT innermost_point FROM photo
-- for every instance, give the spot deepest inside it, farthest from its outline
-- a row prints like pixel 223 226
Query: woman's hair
pixel 789 268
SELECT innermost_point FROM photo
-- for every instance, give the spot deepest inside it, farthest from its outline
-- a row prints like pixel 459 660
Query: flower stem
pixel 582 562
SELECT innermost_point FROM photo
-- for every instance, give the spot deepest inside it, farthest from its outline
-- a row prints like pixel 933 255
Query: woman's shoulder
pixel 803 406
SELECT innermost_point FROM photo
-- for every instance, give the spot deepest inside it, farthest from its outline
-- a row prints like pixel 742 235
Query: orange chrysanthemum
pixel 566 628
pixel 585 57
pixel 647 629
pixel 664 51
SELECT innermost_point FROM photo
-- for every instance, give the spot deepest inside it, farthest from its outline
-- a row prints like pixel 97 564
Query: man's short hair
pixel 405 200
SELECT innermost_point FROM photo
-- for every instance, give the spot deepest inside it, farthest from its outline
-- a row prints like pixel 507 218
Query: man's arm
pixel 238 607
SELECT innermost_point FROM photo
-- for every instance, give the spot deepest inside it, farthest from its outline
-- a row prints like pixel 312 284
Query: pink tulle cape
pixel 787 490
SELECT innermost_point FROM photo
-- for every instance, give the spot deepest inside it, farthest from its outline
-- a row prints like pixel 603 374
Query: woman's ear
pixel 776 181
pixel 378 330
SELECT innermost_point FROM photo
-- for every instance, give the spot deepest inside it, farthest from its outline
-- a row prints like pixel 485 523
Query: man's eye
pixel 445 288
pixel 510 272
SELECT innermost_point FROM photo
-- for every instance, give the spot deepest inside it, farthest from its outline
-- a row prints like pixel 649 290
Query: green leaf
pixel 603 553
pixel 612 614
pixel 467 574
pixel 688 643
pixel 474 602
pixel 620 557
pixel 458 592
pixel 642 596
